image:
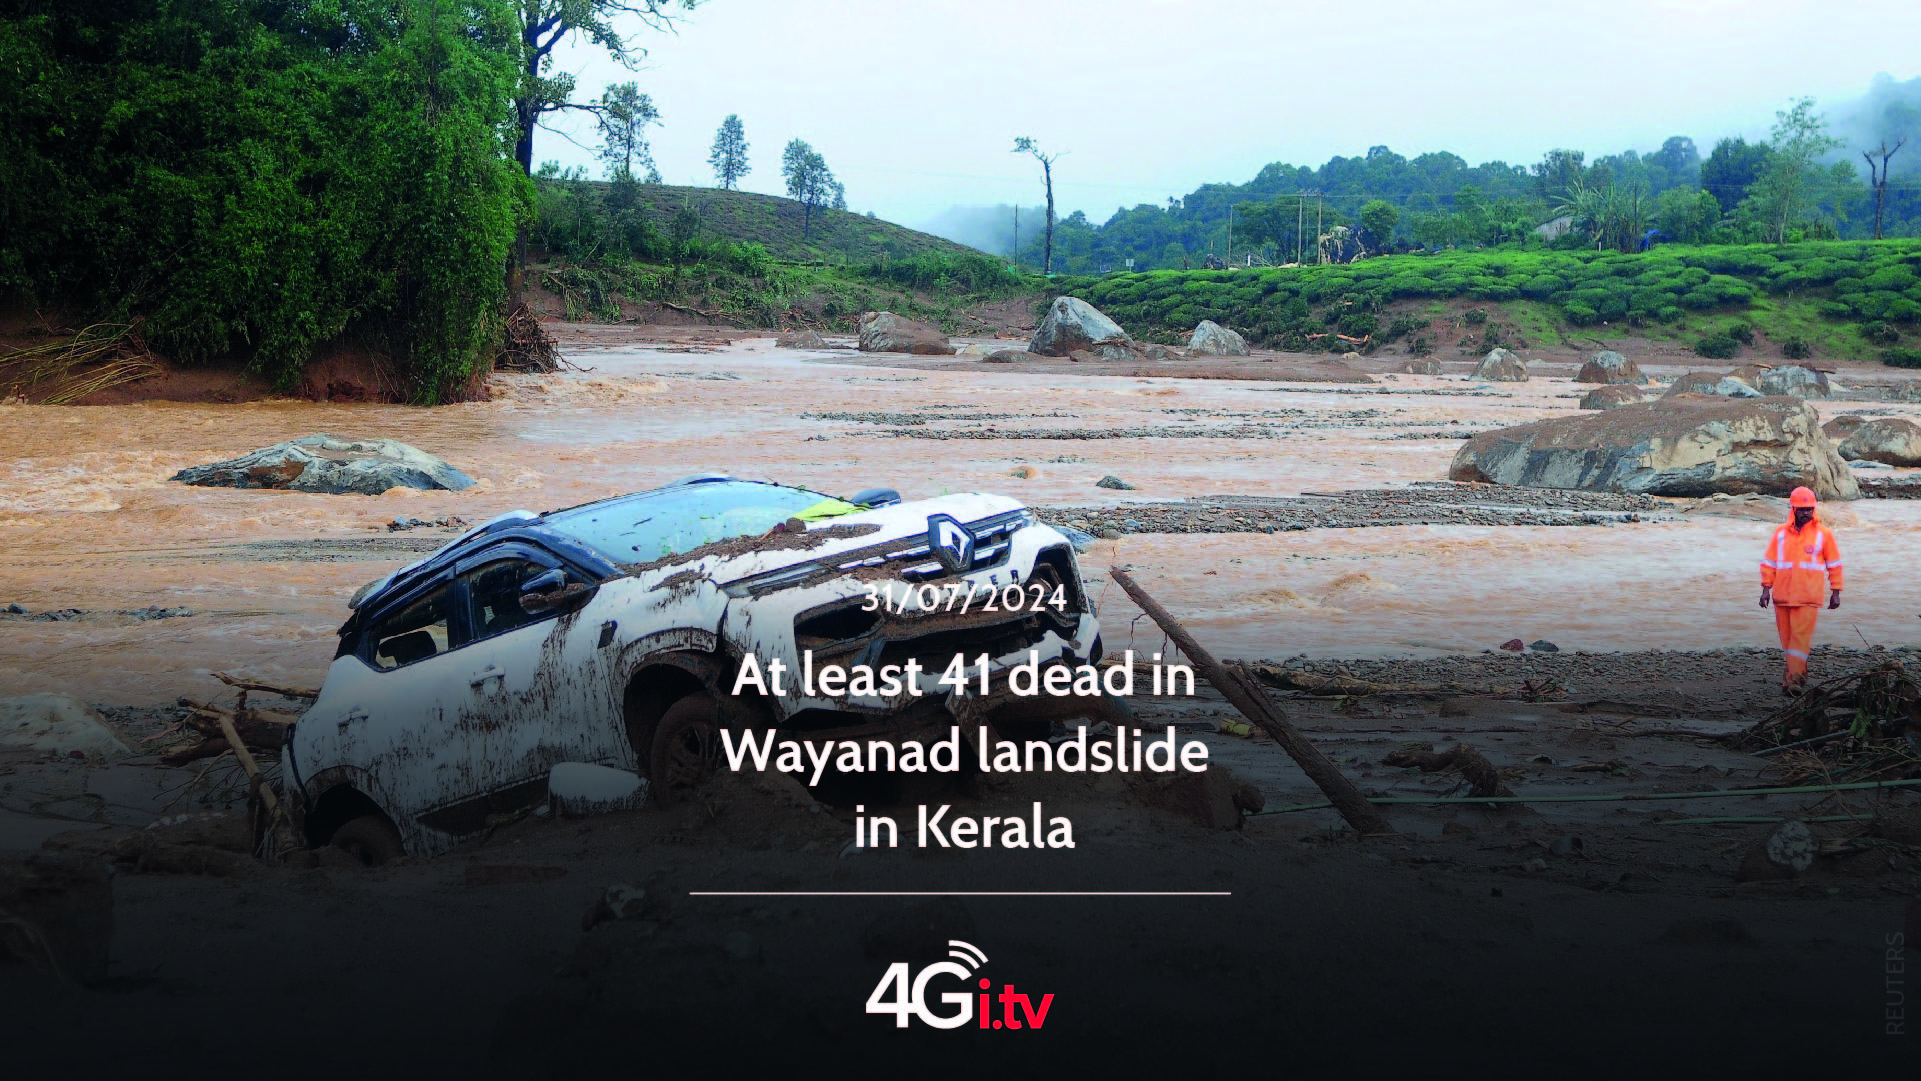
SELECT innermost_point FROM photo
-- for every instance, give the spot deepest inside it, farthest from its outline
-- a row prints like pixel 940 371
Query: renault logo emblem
pixel 950 542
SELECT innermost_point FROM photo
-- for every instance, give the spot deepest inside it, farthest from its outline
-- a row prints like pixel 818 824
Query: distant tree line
pixel 1788 187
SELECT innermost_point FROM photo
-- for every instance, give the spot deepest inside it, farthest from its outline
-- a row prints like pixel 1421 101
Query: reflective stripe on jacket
pixel 1801 566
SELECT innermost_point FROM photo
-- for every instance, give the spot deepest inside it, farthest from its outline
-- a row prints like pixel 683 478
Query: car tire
pixel 686 749
pixel 371 839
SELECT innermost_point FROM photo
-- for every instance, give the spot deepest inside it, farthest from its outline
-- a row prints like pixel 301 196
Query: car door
pixel 530 675
pixel 402 729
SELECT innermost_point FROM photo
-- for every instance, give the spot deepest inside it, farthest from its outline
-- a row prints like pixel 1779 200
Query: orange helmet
pixel 1801 497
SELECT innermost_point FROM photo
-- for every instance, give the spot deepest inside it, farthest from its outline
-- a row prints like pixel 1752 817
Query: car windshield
pixel 648 526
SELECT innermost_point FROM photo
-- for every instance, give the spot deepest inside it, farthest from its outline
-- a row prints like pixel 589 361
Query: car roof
pixel 524 525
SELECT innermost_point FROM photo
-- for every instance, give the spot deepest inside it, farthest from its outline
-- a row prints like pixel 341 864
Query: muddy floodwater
pixel 90 520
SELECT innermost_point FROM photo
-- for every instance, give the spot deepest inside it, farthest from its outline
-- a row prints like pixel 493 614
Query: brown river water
pixel 90 520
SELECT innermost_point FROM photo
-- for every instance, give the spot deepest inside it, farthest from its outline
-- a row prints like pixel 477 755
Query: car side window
pixel 413 633
pixel 495 589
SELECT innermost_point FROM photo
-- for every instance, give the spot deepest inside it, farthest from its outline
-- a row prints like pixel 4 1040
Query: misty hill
pixel 781 225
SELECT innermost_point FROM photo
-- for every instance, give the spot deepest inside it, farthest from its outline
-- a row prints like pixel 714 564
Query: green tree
pixel 544 24
pixel 1025 145
pixel 623 115
pixel 1731 168
pixel 1787 185
pixel 809 181
pixel 729 154
pixel 1378 216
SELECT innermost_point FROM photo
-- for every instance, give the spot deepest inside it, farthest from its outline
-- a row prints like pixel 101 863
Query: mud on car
pixel 612 633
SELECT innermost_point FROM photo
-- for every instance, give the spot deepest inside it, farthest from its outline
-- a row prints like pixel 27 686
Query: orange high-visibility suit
pixel 1800 566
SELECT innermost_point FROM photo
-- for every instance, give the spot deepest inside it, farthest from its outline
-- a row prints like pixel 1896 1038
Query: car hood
pixel 746 557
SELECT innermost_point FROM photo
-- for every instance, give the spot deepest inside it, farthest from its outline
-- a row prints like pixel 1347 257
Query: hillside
pixel 777 224
pixel 1842 299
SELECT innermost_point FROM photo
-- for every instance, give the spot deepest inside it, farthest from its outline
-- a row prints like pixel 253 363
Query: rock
pixel 1889 440
pixel 1118 351
pixel 1210 339
pixel 1543 646
pixel 1842 427
pixel 1114 482
pixel 1080 539
pixel 1155 352
pixel 1608 366
pixel 1501 366
pixel 57 724
pixel 1732 385
pixel 1513 645
pixel 1787 852
pixel 1795 382
pixel 321 463
pixel 801 339
pixel 1011 356
pixel 1687 446
pixel 1614 397
pixel 56 914
pixel 1421 366
pixel 1071 324
pixel 885 332
pixel 580 788
pixel 1907 391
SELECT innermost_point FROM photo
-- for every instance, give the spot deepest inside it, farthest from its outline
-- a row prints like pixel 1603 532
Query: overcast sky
pixel 915 103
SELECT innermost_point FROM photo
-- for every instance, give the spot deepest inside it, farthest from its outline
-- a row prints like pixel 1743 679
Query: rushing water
pixel 89 519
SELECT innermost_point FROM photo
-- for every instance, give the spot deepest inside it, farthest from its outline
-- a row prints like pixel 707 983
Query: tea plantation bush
pixel 1305 307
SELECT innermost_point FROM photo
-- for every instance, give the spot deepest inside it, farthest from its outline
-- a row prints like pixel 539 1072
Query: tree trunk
pixel 1047 252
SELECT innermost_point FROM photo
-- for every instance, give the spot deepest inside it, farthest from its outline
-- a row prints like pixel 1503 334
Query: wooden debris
pixel 1241 689
pixel 283 690
pixel 1475 769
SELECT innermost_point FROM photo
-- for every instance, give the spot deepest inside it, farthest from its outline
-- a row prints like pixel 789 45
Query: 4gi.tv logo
pixel 910 995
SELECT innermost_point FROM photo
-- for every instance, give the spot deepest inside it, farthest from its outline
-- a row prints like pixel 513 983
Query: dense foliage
pixel 1781 189
pixel 258 177
pixel 1874 284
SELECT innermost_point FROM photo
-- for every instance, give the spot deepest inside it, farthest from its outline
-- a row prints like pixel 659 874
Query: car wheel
pixel 371 839
pixel 686 749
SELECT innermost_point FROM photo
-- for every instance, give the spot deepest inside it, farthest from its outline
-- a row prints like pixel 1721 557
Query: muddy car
pixel 613 633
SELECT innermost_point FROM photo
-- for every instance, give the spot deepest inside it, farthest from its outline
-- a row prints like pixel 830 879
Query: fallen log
pixel 1241 689
pixel 283 690
pixel 1477 770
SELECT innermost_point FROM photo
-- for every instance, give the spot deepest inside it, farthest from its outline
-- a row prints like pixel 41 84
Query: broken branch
pixel 1247 696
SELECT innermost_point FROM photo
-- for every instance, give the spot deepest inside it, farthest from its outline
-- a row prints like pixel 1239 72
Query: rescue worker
pixel 1801 558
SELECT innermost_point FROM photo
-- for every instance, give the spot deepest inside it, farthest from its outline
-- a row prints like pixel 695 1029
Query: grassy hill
pixel 1856 299
pixel 779 225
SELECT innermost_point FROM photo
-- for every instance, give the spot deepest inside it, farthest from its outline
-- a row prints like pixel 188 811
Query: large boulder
pixel 1011 356
pixel 1794 381
pixel 1214 340
pixel 1692 446
pixel 57 724
pixel 1073 323
pixel 801 339
pixel 1614 397
pixel 1888 440
pixel 1608 366
pixel 885 332
pixel 1500 366
pixel 1732 385
pixel 321 463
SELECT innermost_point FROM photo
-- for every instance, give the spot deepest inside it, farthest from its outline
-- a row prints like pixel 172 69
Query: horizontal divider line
pixel 960 893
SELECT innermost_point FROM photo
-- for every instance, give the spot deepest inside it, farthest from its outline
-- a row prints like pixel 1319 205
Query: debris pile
pixel 526 346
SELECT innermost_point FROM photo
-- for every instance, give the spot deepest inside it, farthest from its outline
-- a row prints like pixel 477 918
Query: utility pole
pixel 1300 212
pixel 1230 232
pixel 1880 185
pixel 1017 234
pixel 1319 255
